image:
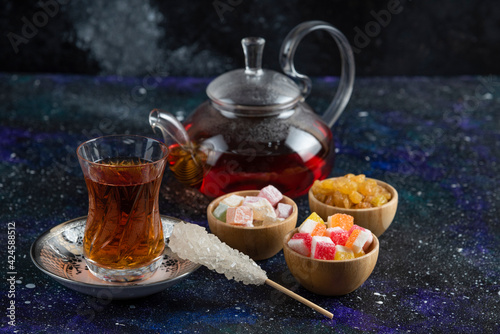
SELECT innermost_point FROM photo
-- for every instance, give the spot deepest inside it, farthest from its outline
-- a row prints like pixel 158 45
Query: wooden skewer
pixel 299 298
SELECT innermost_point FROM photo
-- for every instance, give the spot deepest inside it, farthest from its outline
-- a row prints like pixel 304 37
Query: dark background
pixel 202 38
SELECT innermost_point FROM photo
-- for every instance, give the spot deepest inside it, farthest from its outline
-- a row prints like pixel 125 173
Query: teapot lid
pixel 253 89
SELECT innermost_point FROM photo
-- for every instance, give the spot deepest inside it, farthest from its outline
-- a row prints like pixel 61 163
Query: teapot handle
pixel 344 89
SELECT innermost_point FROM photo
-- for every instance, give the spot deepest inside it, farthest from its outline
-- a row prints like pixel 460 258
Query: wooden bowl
pixel 259 242
pixel 330 278
pixel 375 219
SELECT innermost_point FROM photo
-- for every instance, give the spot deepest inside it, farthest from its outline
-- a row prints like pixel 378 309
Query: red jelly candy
pixel 322 248
pixel 338 235
pixel 301 243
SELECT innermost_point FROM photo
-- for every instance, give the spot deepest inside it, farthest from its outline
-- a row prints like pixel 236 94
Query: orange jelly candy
pixel 341 220
pixel 319 230
pixel 352 238
pixel 313 225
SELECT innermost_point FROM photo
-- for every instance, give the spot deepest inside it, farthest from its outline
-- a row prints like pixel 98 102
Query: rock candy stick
pixel 194 243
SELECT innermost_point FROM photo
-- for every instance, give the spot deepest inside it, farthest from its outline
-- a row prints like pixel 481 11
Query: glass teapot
pixel 256 129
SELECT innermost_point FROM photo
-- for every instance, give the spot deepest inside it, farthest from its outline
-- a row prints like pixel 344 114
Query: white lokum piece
pixel 233 200
pixel 268 220
pixel 260 206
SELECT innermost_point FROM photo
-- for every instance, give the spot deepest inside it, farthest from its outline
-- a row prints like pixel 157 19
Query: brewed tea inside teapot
pixel 256 128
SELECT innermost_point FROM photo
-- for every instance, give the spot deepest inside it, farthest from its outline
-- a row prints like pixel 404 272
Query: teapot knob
pixel 253 47
pixel 346 82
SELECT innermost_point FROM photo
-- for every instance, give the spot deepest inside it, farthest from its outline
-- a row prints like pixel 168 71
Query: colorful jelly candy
pixel 343 253
pixel 357 240
pixel 370 236
pixel 272 194
pixel 343 241
pixel 361 253
pixel 314 216
pixel 313 227
pixel 322 248
pixel 301 243
pixel 341 220
pixel 338 235
pixel 241 216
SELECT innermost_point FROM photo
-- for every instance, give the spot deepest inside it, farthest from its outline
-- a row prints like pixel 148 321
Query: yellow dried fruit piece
pixel 351 191
pixel 359 178
pixel 363 205
pixel 348 187
pixel 328 200
pixel 378 200
pixel 355 197
pixel 328 185
pixel 368 187
pixel 338 199
pixel 318 189
pixel 347 202
pixel 386 193
pixel 322 197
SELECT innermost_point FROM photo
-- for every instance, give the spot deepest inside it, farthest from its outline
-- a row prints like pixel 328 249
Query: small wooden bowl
pixel 330 278
pixel 259 242
pixel 375 219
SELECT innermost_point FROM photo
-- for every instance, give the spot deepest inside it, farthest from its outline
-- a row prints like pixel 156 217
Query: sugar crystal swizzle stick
pixel 192 242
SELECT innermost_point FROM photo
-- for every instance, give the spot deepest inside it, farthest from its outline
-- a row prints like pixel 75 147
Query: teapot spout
pixel 186 163
pixel 170 127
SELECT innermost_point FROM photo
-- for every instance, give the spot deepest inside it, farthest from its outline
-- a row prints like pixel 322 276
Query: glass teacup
pixel 123 238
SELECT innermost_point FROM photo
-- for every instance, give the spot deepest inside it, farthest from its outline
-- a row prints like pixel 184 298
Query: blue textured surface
pixel 437 141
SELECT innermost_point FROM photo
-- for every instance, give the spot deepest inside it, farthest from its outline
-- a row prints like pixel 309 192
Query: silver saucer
pixel 59 253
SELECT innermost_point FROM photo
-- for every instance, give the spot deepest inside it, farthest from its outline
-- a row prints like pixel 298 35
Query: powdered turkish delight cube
pixel 283 210
pixel 233 200
pixel 221 211
pixel 241 216
pixel 272 194
pixel 260 206
pixel 268 220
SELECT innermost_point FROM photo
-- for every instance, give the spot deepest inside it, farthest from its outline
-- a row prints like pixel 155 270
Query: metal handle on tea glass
pixel 346 82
